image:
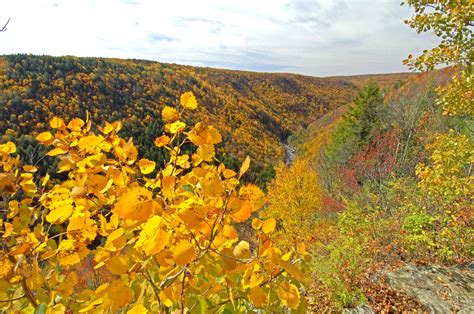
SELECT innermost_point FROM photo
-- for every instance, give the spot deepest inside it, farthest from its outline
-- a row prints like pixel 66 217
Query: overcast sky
pixel 318 37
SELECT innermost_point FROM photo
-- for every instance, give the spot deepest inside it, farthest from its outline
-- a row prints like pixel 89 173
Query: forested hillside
pixel 255 112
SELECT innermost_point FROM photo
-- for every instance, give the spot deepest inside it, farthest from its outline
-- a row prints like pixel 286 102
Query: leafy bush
pixel 165 236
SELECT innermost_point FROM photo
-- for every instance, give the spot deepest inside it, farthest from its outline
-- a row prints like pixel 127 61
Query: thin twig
pixel 4 28
pixel 13 299
pixel 199 299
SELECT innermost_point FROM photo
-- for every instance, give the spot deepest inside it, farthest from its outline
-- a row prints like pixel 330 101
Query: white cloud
pixel 319 37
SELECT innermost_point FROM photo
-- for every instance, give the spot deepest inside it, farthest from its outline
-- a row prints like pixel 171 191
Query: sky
pixel 312 37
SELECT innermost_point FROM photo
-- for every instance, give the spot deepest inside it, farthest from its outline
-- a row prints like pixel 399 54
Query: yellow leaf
pixel 188 100
pixel 8 148
pixel 56 151
pixel 90 143
pixel 289 295
pixel 68 253
pixel 138 309
pixel 253 277
pixel 162 140
pixel 66 288
pixel 184 253
pixel 75 124
pixel 6 266
pixel 269 225
pixel 117 265
pixel 82 229
pixel 60 214
pixel 146 166
pixel 243 212
pixel 242 249
pixel 169 114
pixel 301 248
pixel 56 309
pixel 245 166
pixel 7 184
pixel 117 294
pixel 256 223
pixel 107 128
pixel 167 186
pixel 167 296
pixel 57 123
pixel 29 168
pixel 206 152
pixel 152 238
pixel 177 127
pixel 228 173
pixel 252 195
pixel 291 269
pixel 45 180
pixel 257 296
pixel 45 138
pixel 135 204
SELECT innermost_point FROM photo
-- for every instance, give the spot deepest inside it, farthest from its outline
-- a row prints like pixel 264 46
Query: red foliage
pixel 349 179
pixel 331 205
pixel 378 159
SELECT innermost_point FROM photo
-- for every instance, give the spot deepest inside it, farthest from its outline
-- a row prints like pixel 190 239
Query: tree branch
pixel 13 299
pixel 4 28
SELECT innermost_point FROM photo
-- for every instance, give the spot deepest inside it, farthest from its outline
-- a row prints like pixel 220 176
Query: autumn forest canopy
pixel 133 186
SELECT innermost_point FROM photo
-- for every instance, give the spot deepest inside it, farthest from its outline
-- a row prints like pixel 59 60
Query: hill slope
pixel 255 112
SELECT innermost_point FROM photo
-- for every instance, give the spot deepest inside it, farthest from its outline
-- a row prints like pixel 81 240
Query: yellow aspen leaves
pixel 253 277
pixel 184 252
pixel 7 184
pixel 6 266
pixel 137 309
pixel 162 140
pixel 69 253
pixel 269 225
pixel 60 214
pixel 152 238
pixel 257 296
pixel 177 127
pixel 253 195
pixel 82 229
pixel 257 223
pixel 245 166
pixel 90 143
pixel 169 114
pixel 201 134
pixel 128 153
pixel 29 168
pixel 135 204
pixel 56 151
pixel 146 166
pixel 7 148
pixel 57 123
pixel 289 295
pixel 75 124
pixel 242 249
pixel 45 138
pixel 167 186
pixel 117 264
pixel 188 100
pixel 115 295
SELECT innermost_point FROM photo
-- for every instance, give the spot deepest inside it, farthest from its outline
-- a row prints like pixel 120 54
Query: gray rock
pixel 439 289
pixel 361 309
